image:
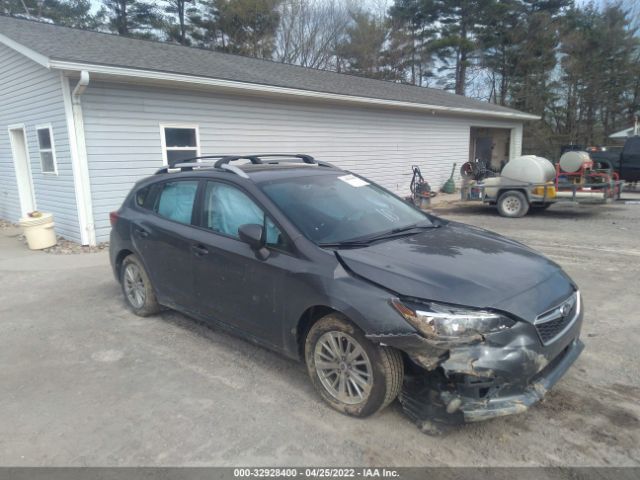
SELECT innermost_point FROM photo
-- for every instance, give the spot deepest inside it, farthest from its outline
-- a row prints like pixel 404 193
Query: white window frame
pixel 163 141
pixel 49 127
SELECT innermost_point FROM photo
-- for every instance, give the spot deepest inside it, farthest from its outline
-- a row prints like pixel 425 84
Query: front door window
pixel 226 208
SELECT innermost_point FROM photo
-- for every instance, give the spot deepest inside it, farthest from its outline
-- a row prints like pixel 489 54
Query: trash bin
pixel 38 229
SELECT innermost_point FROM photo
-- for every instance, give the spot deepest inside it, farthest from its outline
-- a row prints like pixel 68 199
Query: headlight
pixel 438 320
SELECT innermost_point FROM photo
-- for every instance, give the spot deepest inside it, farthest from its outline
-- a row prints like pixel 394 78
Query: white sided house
pixel 84 115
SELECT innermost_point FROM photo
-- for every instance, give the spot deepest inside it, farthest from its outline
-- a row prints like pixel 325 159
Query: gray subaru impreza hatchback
pixel 379 299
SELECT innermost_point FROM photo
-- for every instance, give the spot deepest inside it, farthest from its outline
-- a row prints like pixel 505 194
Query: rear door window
pixel 175 201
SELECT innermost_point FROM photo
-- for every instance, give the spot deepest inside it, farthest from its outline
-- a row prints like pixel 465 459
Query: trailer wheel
pixel 513 204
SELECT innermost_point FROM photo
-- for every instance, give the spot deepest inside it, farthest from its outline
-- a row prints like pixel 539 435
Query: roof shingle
pixel 88 47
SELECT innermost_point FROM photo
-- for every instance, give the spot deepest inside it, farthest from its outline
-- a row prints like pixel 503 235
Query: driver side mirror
pixel 251 234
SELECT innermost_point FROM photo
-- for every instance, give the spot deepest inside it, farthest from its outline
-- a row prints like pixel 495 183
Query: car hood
pixel 463 265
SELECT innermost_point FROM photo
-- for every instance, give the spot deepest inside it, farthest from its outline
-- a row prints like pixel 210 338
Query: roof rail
pixel 234 169
pixel 222 162
pixel 270 158
pixel 189 164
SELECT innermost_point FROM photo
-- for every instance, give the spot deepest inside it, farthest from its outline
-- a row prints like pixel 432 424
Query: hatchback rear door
pixel 164 240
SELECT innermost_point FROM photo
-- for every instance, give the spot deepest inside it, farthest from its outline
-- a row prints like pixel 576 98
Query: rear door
pixel 164 239
pixel 233 285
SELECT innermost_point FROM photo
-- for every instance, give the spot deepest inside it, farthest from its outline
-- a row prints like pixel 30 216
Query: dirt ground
pixel 85 383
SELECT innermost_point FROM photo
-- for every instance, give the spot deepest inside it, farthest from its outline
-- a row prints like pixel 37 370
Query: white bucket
pixel 39 231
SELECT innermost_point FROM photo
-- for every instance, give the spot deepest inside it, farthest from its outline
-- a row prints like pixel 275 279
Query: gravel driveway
pixel 84 382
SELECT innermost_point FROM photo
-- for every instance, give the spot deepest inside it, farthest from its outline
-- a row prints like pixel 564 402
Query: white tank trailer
pixel 529 181
pixel 522 170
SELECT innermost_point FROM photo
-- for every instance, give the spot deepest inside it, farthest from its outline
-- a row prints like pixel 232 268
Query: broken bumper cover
pixel 487 377
pixel 474 411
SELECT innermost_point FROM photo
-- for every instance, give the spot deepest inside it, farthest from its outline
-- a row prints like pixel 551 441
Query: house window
pixel 179 143
pixel 46 149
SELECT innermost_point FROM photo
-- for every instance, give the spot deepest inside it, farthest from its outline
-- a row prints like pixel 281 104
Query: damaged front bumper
pixel 499 374
pixel 517 402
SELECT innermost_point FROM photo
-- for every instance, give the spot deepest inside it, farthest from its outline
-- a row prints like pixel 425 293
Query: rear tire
pixel 513 204
pixel 136 287
pixel 356 377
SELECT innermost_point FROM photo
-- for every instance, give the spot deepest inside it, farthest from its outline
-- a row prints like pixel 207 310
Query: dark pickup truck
pixel 625 162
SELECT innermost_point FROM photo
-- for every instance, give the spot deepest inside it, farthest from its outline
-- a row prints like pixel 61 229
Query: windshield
pixel 332 209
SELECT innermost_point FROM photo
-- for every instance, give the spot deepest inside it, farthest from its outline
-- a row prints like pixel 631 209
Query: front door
pixel 233 285
pixel 18 139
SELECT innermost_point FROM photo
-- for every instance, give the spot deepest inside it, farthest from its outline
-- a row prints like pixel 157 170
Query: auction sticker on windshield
pixel 353 180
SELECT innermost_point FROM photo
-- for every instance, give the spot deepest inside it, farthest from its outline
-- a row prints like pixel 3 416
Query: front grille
pixel 551 324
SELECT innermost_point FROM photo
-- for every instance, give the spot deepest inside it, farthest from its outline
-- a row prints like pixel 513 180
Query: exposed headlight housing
pixel 437 320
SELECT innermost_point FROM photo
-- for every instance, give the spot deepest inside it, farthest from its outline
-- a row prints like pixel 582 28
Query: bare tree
pixel 310 31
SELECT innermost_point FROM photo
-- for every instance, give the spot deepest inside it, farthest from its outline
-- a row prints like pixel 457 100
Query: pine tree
pixel 176 24
pixel 133 18
pixel 204 24
pixel 457 39
pixel 71 13
pixel 362 51
pixel 413 28
pixel 247 27
pixel 499 23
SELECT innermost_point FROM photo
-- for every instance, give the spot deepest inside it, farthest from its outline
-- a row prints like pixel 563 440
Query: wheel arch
pixel 122 254
pixel 522 190
pixel 310 316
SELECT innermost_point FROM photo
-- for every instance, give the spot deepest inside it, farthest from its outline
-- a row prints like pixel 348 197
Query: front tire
pixel 136 287
pixel 349 372
pixel 513 204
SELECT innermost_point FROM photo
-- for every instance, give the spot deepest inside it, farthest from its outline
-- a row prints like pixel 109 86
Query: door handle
pixel 141 232
pixel 199 250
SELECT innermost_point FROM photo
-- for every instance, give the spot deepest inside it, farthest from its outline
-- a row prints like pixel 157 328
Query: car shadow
pixel 222 337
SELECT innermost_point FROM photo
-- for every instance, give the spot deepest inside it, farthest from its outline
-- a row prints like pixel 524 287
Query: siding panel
pixel 122 125
pixel 32 95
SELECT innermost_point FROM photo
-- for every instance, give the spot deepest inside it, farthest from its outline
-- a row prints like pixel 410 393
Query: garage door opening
pixel 491 146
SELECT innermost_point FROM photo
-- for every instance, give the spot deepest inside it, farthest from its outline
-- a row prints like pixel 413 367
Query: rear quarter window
pixel 142 196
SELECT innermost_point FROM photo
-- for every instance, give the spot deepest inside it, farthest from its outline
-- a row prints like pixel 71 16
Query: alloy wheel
pixel 343 367
pixel 134 286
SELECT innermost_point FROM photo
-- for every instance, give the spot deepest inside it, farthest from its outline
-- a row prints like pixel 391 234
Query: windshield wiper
pixel 364 241
pixel 400 231
pixel 415 226
pixel 345 244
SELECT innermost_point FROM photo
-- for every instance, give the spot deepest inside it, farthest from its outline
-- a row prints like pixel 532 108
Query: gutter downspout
pixel 82 85
pixel 81 164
